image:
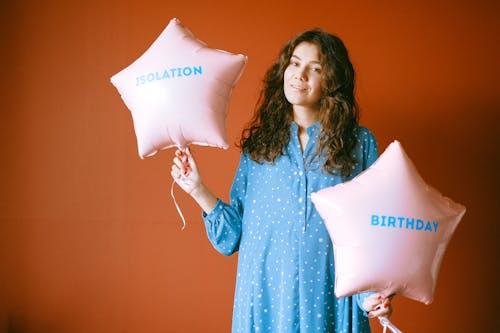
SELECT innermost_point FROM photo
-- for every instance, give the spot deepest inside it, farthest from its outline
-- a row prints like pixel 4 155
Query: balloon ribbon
pixel 386 323
pixel 177 205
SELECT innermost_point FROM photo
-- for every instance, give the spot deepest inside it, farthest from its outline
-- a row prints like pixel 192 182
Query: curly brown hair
pixel 268 132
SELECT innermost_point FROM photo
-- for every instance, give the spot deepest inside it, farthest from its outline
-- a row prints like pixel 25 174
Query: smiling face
pixel 303 77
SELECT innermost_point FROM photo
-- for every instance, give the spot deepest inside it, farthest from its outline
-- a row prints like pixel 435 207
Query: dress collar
pixel 310 130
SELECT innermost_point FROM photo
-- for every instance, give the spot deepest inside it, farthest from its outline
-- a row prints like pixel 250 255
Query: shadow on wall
pixel 19 325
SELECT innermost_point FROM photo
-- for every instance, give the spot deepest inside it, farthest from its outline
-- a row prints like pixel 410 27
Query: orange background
pixel 90 240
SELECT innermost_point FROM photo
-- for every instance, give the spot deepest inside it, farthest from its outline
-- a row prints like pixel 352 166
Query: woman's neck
pixel 304 117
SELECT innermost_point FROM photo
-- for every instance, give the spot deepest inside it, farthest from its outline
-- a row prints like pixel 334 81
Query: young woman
pixel 303 137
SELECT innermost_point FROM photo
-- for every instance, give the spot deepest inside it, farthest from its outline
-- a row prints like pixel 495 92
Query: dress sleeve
pixel 360 299
pixel 223 223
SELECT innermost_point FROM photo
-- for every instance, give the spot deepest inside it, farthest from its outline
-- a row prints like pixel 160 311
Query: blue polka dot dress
pixel 285 278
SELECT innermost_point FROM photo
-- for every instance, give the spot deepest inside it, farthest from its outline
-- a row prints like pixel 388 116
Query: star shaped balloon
pixel 389 229
pixel 178 91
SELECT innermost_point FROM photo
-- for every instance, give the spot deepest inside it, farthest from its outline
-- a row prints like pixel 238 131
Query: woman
pixel 303 137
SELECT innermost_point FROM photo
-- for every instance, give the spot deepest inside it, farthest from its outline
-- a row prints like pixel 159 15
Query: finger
pixel 181 155
pixel 179 171
pixel 178 163
pixel 382 313
pixel 388 307
pixel 183 169
pixel 190 159
pixel 175 173
pixel 384 310
pixel 372 301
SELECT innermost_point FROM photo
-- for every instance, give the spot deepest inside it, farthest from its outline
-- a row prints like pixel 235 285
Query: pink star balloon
pixel 389 229
pixel 178 91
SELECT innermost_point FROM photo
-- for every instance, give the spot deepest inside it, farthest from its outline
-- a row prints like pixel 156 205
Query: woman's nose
pixel 300 74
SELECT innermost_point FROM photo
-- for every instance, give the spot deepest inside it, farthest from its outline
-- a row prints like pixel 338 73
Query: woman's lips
pixel 298 87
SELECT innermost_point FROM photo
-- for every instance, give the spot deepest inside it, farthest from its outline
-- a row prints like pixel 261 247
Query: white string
pixel 183 150
pixel 177 205
pixel 386 323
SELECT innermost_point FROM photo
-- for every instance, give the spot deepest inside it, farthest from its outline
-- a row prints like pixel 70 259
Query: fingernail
pixel 386 305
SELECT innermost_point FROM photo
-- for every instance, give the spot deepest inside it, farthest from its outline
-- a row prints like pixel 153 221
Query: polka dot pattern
pixel 286 273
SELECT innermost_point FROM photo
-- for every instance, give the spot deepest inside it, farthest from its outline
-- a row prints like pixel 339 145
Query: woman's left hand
pixel 378 306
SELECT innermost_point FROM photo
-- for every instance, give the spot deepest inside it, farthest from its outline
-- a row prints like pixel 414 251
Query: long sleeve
pixel 360 298
pixel 223 223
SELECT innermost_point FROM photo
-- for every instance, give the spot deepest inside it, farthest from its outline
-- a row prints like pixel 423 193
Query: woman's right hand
pixel 186 175
pixel 185 172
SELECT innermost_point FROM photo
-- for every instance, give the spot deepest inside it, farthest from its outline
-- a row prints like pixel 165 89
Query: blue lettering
pixel 402 222
pixel 428 226
pixel 420 224
pixel 140 80
pixel 383 220
pixel 410 223
pixel 168 74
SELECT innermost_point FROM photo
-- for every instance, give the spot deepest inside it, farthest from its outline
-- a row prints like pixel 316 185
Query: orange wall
pixel 90 240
